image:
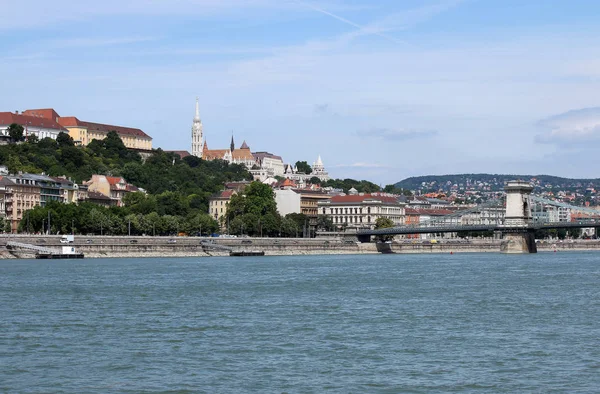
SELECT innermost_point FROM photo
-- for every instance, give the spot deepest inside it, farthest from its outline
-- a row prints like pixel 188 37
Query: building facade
pixel 112 187
pixel 218 204
pixel 361 210
pixel 288 201
pixel 20 195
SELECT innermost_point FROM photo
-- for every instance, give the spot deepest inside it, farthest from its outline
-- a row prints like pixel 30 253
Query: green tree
pixel 324 223
pixel 15 132
pixel 303 167
pixel 381 223
pixel 315 180
pixel 64 139
pixel 139 202
pixel 290 228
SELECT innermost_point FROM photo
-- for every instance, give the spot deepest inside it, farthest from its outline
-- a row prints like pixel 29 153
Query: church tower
pixel 197 142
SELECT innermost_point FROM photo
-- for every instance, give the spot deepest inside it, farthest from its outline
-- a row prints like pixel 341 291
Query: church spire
pixel 232 145
pixel 197 117
pixel 197 137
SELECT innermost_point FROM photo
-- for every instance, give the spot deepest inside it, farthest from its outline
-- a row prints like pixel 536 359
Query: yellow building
pixel 218 203
pixel 84 132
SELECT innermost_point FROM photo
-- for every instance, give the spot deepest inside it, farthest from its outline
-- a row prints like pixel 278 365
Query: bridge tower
pixel 518 235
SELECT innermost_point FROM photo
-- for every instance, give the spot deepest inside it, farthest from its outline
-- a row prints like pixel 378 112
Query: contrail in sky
pixel 346 21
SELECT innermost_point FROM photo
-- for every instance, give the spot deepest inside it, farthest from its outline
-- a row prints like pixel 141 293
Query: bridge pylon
pixel 517 234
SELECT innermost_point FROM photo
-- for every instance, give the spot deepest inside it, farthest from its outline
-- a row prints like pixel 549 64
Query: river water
pixel 381 324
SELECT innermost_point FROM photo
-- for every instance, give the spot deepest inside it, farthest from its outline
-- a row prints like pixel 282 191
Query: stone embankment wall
pixel 108 246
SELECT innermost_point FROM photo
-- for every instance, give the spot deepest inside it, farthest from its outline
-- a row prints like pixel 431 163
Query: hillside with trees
pixel 178 189
pixel 492 182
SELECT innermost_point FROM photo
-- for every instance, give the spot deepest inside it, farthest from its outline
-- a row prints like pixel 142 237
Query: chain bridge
pixel 517 215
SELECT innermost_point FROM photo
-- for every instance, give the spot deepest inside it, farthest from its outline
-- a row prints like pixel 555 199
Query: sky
pixel 381 89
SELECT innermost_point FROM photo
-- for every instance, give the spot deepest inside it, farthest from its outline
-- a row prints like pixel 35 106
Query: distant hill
pixel 492 182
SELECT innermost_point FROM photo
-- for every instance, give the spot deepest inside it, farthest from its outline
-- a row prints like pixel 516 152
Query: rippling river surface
pixel 381 324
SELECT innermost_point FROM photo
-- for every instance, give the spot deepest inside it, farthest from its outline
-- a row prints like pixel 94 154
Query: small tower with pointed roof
pixel 318 170
pixel 232 145
pixel 197 138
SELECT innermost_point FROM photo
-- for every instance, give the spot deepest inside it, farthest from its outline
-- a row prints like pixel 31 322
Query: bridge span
pixel 520 219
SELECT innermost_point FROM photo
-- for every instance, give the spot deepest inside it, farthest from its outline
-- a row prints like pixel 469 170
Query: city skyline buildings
pixel 384 90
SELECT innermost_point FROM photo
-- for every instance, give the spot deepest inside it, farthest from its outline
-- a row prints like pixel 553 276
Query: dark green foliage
pixel 64 139
pixel 254 212
pixel 383 222
pixel 324 223
pixel 303 167
pixel 393 189
pixel 87 218
pixel 315 180
pixel 176 187
pixel 15 131
pixel 347 184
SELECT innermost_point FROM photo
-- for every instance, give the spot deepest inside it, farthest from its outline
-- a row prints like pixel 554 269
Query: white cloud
pixel 573 127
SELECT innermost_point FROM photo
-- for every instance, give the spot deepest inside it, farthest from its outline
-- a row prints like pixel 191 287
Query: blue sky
pixel 382 90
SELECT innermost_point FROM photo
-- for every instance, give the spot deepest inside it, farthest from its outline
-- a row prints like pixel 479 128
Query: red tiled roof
pixel 69 121
pixel 48 113
pixel 287 182
pixel 7 118
pixel 113 180
pixel 358 198
pixel 211 154
pixel 242 154
pixel 223 195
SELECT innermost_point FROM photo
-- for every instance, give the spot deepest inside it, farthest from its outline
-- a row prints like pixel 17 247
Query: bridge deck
pixel 484 227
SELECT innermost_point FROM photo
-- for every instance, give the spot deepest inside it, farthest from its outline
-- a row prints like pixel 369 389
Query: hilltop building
pixel 267 165
pixel 44 123
pixel 318 171
pixel 241 155
pixel 34 125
